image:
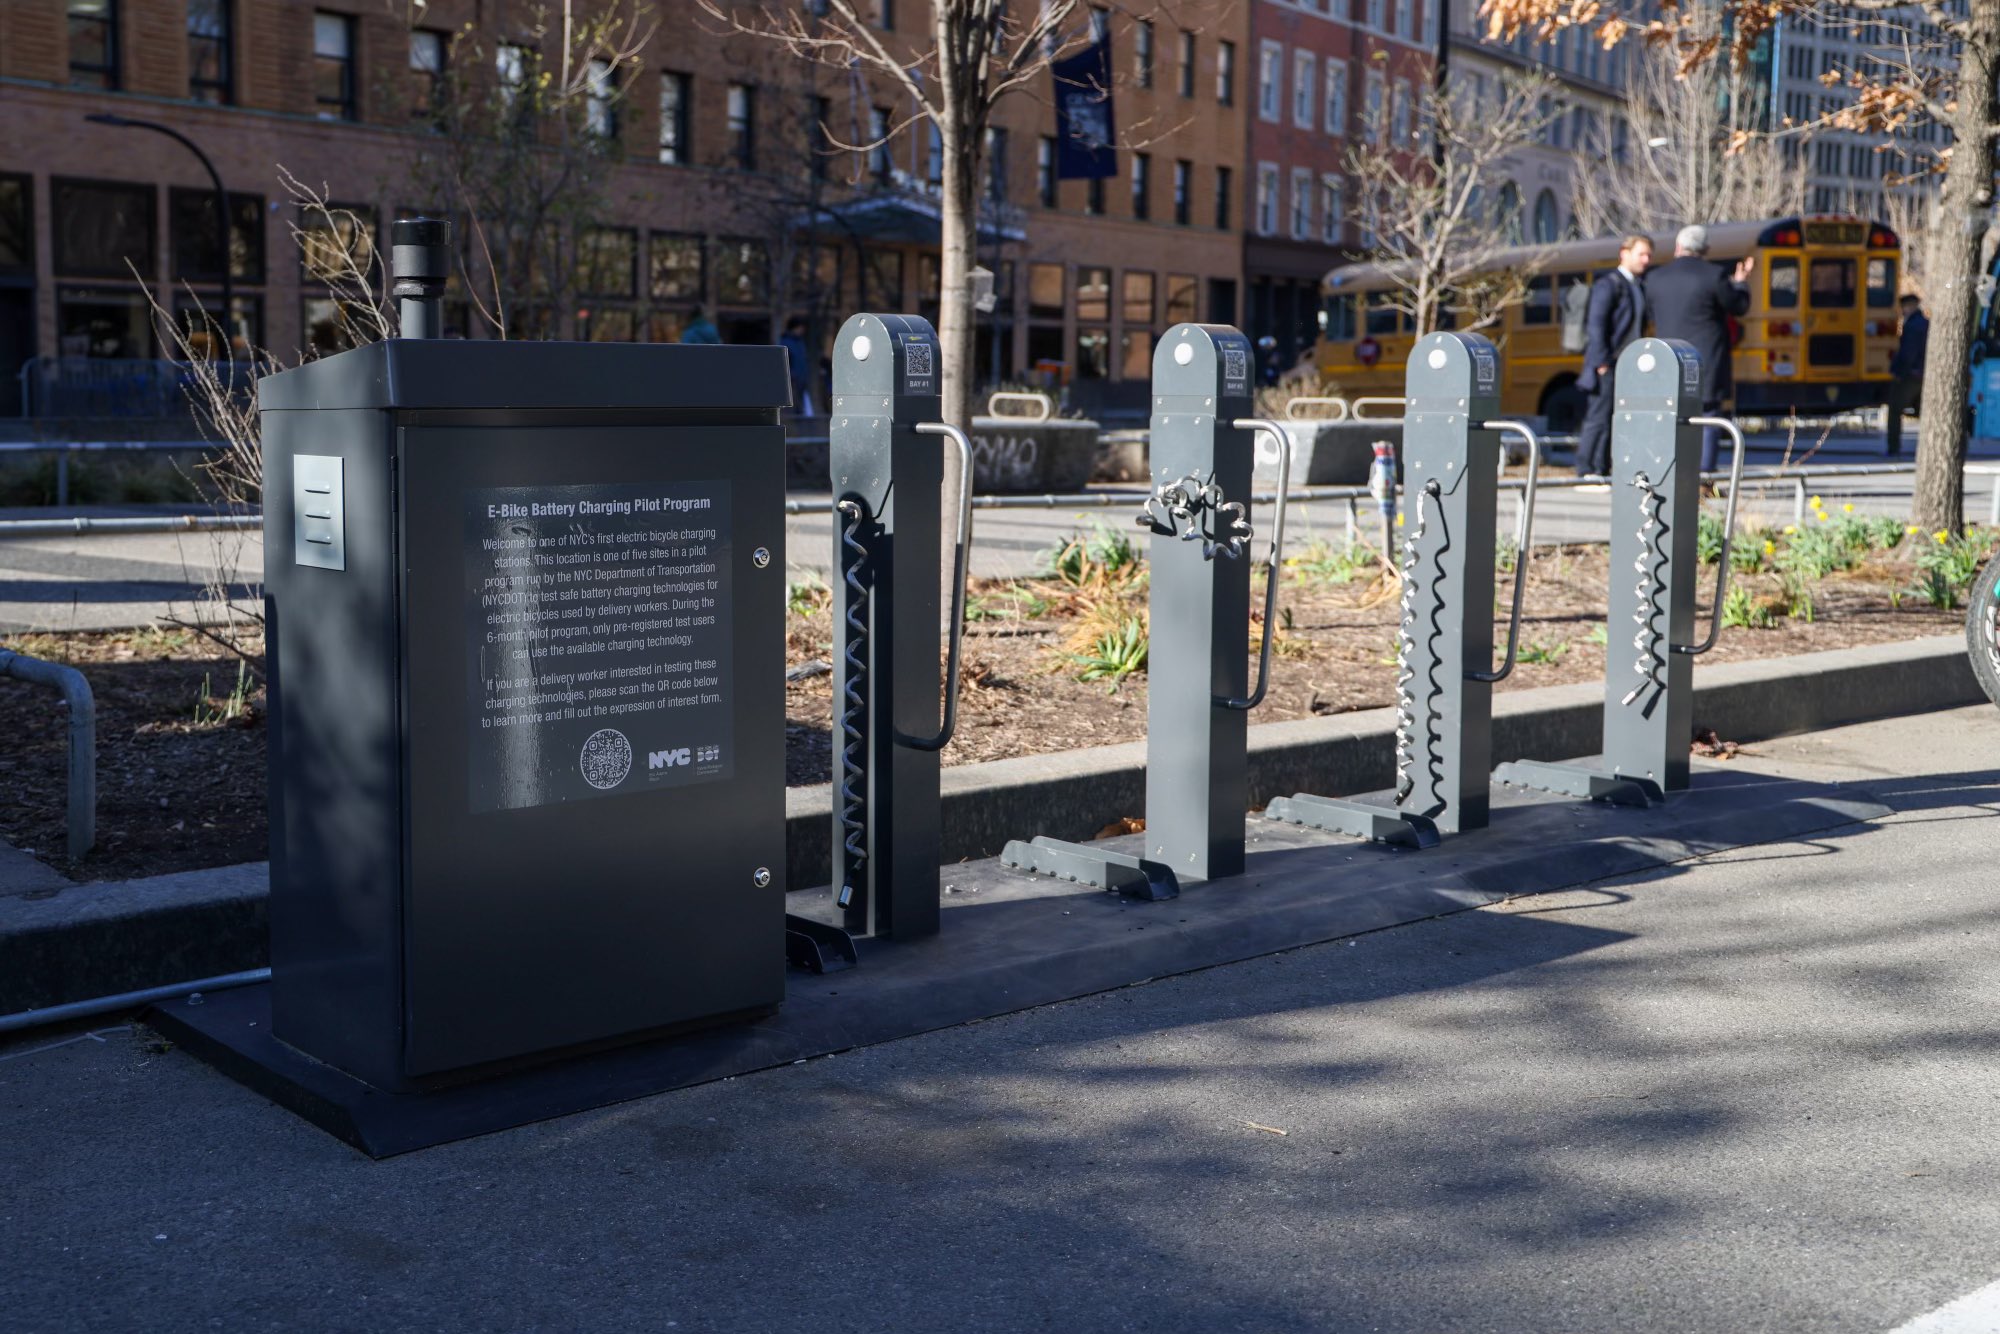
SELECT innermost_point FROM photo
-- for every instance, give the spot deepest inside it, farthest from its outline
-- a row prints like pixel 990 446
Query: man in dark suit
pixel 1906 391
pixel 1615 316
pixel 1693 302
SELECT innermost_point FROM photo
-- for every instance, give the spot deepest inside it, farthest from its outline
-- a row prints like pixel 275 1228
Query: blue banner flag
pixel 1084 136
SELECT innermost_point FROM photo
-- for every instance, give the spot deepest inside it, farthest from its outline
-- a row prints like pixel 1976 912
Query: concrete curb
pixel 80 941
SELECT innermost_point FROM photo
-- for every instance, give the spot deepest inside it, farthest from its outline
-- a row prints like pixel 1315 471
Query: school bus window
pixel 1540 307
pixel 1833 284
pixel 1447 319
pixel 1881 283
pixel 1784 284
pixel 1381 315
pixel 1340 317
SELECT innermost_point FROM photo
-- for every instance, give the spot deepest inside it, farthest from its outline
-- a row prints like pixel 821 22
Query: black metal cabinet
pixel 527 644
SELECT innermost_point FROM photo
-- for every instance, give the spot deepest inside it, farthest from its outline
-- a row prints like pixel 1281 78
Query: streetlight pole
pixel 221 203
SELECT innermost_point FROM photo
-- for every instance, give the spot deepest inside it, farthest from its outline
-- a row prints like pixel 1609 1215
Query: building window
pixel 996 163
pixel 1336 97
pixel 1183 176
pixel 1093 197
pixel 1267 199
pixel 882 280
pixel 1045 291
pixel 195 247
pixel 1399 115
pixel 1182 291
pixel 1093 354
pixel 1142 186
pixel 1405 23
pixel 1184 73
pixel 1302 204
pixel 1093 295
pixel 1045 171
pixel 336 242
pixel 427 57
pixel 94 322
pixel 1137 301
pixel 608 262
pixel 510 70
pixel 1332 218
pixel 17 228
pixel 881 161
pixel 209 32
pixel 1225 74
pixel 1142 53
pixel 743 126
pixel 1270 81
pixel 675 270
pixel 93 43
pixel 885 15
pixel 1304 71
pixel 101 225
pixel 1374 124
pixel 742 273
pixel 674 99
pixel 600 100
pixel 934 156
pixel 819 114
pixel 1375 14
pixel 1225 186
pixel 333 66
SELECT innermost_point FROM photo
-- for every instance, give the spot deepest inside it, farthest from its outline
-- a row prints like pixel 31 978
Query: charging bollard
pixel 1444 687
pixel 1650 649
pixel 888 475
pixel 1198 600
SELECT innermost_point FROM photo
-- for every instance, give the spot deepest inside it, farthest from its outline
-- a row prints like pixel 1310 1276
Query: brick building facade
pixel 704 139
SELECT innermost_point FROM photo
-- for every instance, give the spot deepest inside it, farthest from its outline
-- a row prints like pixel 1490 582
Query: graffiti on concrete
pixel 1005 462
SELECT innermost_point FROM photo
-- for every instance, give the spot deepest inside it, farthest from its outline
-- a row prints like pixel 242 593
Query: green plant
pixel 1883 532
pixel 1795 587
pixel 1600 634
pixel 1947 566
pixel 1539 652
pixel 1748 551
pixel 1322 562
pixel 1742 611
pixel 1708 538
pixel 1816 550
pixel 805 596
pixel 1115 653
pixel 1506 556
pixel 1105 555
pixel 211 710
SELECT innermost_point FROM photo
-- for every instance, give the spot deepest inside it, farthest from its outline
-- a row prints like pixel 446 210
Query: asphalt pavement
pixel 1750 1092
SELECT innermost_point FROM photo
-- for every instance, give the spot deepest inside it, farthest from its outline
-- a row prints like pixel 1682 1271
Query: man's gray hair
pixel 1692 238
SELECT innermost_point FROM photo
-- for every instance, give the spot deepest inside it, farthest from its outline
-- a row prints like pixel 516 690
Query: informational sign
pixel 1085 138
pixel 598 637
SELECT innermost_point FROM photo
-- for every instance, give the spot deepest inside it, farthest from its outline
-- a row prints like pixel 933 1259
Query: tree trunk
pixel 1964 213
pixel 956 329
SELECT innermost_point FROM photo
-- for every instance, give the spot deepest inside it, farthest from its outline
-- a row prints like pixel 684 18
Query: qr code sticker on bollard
pixel 917 358
pixel 1236 364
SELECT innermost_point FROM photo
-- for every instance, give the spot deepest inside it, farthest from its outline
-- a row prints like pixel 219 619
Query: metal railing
pixel 102 387
pixel 82 706
pixel 64 450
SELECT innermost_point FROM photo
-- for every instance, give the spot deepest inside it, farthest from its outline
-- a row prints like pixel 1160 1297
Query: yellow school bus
pixel 1817 338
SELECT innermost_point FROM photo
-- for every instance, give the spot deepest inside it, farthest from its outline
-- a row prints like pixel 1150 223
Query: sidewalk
pixel 1747 1092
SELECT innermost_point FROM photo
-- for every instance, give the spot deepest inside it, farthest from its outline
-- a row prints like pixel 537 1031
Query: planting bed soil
pixel 181 719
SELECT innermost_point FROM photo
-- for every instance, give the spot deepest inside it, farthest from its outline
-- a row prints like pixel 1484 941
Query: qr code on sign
pixel 917 358
pixel 1235 363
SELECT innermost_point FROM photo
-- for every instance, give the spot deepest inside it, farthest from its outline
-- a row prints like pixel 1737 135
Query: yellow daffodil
pixel 1848 508
pixel 1770 547
pixel 1940 537
pixel 1816 502
pixel 1790 529
pixel 1910 531
pixel 1399 521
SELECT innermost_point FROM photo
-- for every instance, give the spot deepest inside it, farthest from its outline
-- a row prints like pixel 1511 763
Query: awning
pixel 903 220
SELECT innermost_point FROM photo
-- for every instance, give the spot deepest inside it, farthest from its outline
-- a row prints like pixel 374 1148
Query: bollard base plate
pixel 817 947
pixel 1133 877
pixel 1378 824
pixel 1581 780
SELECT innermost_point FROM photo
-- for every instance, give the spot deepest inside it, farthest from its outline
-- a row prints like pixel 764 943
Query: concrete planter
pixel 1327 453
pixel 1017 454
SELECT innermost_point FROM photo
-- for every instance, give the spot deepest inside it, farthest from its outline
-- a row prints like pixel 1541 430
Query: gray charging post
pixel 1444 732
pixel 1650 619
pixel 888 474
pixel 1198 689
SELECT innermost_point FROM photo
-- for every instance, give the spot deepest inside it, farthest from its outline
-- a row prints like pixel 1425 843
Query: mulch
pixel 181 750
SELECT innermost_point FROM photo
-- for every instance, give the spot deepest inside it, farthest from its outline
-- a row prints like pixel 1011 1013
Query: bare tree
pixel 978 53
pixel 1428 194
pixel 1938 62
pixel 524 144
pixel 1684 160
